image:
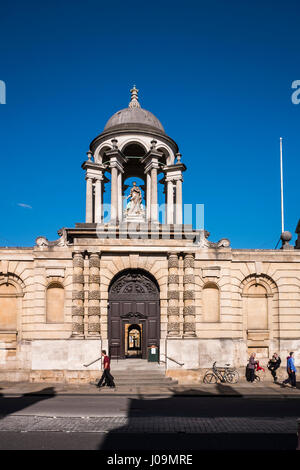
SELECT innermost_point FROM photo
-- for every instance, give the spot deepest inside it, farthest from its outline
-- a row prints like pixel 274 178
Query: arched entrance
pixel 133 314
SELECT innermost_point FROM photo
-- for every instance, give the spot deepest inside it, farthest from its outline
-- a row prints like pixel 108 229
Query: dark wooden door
pixel 133 299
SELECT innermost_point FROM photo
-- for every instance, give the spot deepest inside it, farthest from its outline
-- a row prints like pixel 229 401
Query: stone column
pixel 114 193
pixel 94 295
pixel 120 199
pixel 170 202
pixel 189 327
pixel 89 200
pixel 78 295
pixel 173 296
pixel 154 208
pixel 148 196
pixel 98 201
pixel 179 201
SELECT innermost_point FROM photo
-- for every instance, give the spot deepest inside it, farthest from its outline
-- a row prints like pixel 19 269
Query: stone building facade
pixel 126 281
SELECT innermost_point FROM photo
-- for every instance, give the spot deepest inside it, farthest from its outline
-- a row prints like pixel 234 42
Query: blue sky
pixel 217 74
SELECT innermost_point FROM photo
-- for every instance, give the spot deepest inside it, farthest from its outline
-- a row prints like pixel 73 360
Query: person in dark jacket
pixel 273 365
pixel 251 368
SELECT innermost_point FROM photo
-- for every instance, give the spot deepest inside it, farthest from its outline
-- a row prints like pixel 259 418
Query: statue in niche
pixel 134 207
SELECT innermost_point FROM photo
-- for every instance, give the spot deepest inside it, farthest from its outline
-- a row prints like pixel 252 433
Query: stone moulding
pixel 77 295
pixel 173 261
pixel 173 310
pixel 173 327
pixel 211 271
pixel 94 279
pixel 189 327
pixel 189 279
pixel 94 295
pixel 94 261
pixel 173 295
pixel 189 261
pixel 93 311
pixel 78 261
pixel 173 279
pixel 78 279
pixel 94 327
pixel 77 328
pixel 77 311
pixel 189 310
pixel 189 295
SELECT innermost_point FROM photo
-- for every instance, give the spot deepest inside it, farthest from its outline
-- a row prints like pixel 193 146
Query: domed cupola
pixel 134 144
pixel 134 117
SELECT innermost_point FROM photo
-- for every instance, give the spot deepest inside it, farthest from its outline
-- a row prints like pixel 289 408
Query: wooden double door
pixel 133 315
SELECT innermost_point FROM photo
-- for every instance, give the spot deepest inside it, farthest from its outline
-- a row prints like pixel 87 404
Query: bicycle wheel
pixel 232 377
pixel 257 378
pixel 210 378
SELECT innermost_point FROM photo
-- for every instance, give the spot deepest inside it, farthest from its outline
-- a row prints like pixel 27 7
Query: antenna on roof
pixel 285 237
pixel 281 188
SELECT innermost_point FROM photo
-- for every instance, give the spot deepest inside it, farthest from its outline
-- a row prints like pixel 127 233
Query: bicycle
pixel 223 374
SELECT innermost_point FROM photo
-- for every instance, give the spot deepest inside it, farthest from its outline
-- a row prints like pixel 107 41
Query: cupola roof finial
pixel 134 102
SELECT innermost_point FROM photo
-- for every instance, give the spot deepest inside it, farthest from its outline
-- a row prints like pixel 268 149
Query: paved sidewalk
pixel 149 424
pixel 238 390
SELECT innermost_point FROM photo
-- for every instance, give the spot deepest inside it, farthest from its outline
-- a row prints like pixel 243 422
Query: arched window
pixel 8 307
pixel 257 308
pixel 55 300
pixel 211 303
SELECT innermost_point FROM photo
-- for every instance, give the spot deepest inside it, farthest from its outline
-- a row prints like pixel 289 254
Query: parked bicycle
pixel 222 374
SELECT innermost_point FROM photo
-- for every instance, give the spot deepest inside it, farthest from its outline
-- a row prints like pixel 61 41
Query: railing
pixel 171 359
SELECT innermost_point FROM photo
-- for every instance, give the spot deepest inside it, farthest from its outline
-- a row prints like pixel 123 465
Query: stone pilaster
pixel 173 296
pixel 89 200
pixel 189 326
pixel 94 295
pixel 78 295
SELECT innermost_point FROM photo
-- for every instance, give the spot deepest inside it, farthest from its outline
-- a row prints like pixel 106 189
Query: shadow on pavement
pixel 9 405
pixel 223 390
pixel 132 437
pixel 287 386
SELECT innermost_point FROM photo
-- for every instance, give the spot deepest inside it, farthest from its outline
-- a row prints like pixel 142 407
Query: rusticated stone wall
pixel 94 295
pixel 173 295
pixel 189 326
pixel 78 295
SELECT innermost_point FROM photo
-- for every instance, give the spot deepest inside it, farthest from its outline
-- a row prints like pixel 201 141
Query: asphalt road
pixel 170 423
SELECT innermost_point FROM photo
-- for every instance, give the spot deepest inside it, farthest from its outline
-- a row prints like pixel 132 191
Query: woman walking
pixel 251 367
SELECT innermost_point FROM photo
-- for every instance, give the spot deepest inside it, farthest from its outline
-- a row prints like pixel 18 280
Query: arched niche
pixel 211 303
pixel 55 302
pixel 257 307
pixel 8 307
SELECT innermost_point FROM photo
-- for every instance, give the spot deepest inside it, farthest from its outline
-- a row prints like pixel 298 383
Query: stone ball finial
pixel 114 143
pixel 286 236
pixel 89 154
pixel 178 155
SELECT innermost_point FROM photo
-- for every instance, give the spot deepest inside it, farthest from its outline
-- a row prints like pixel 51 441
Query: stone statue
pixel 134 207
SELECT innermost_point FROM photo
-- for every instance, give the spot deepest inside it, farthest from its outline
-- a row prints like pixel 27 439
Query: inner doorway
pixel 133 314
pixel 133 340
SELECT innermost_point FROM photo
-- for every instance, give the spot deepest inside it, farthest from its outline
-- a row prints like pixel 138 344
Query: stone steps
pixel 140 373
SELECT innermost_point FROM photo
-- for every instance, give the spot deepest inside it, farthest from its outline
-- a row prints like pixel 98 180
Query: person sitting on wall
pixel 273 365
